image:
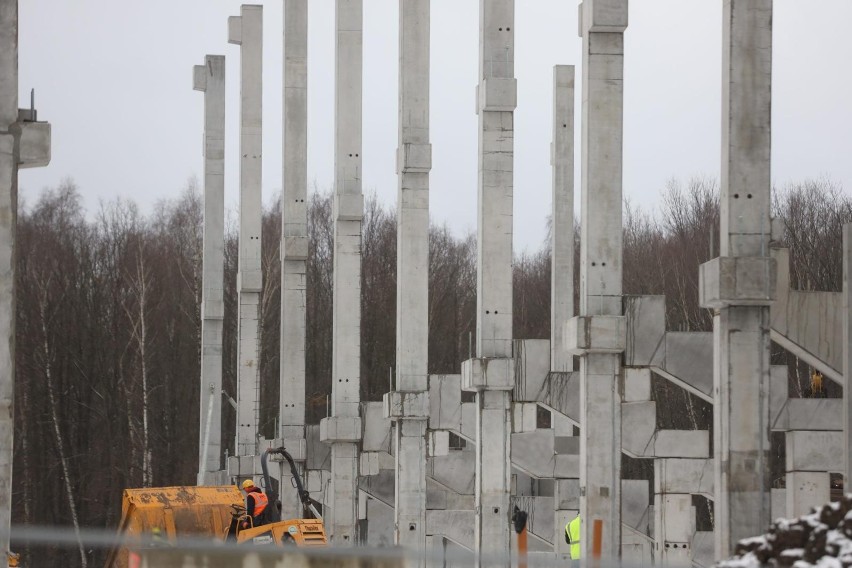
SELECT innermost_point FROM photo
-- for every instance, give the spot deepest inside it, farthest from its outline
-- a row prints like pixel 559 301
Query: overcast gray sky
pixel 115 79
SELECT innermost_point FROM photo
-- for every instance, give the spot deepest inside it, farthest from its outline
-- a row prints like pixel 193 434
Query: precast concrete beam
pixel 807 323
pixel 683 475
pixel 210 79
pixel 600 331
pixel 346 330
pixel 246 30
pixel 814 451
pixel 741 284
pixel 562 232
pixel 809 414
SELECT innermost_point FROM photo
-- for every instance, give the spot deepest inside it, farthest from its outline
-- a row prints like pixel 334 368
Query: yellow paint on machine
pixel 175 512
pixel 159 516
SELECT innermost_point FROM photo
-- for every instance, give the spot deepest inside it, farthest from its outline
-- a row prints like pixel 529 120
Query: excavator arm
pixel 310 511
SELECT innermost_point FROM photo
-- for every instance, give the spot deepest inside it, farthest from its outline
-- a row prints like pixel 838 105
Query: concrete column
pixel 491 374
pixel 8 219
pixel 294 246
pixel 562 268
pixel 562 231
pixel 598 334
pixel 740 285
pixel 847 354
pixel 343 428
pixel 246 31
pixel 409 405
pixel 674 526
pixel 807 490
pixel 24 143
pixel 210 78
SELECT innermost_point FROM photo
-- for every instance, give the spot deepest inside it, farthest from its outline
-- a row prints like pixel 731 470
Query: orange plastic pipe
pixel 522 548
pixel 597 539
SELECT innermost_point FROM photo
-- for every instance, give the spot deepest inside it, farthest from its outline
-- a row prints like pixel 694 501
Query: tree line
pixel 108 324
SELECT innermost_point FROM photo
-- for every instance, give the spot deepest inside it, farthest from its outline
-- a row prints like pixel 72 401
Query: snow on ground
pixel 821 539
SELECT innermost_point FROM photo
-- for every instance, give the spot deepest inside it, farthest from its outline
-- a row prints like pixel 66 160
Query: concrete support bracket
pixel 596 334
pixel 407 405
pixel 199 78
pixel 737 281
pixel 414 158
pixel 369 463
pixel 34 144
pixel 348 206
pixel 296 447
pixel 336 429
pixel 295 248
pixel 250 281
pixel 243 466
pixel 524 417
pixel 497 94
pixel 606 16
pixel 439 442
pixel 491 373
pixel 235 30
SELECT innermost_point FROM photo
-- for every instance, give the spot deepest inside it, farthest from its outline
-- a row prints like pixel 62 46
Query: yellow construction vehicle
pixel 306 531
pixel 159 517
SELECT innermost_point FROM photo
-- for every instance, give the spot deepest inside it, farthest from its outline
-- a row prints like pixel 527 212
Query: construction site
pixel 489 465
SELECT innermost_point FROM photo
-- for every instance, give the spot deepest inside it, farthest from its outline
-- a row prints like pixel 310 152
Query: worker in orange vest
pixel 256 502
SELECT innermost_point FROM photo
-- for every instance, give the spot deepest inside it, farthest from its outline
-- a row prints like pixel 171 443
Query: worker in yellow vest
pixel 572 537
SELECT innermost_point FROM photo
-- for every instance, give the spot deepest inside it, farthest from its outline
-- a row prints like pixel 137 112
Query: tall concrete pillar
pixel 8 219
pixel 246 30
pixel 491 374
pixel 847 355
pixel 24 143
pixel 562 229
pixel 408 405
pixel 598 334
pixel 210 78
pixel 740 284
pixel 562 267
pixel 294 246
pixel 343 428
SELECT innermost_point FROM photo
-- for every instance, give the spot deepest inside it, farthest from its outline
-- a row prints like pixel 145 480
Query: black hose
pixel 304 496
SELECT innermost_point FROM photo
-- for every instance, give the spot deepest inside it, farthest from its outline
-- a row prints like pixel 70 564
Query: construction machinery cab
pixel 269 528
